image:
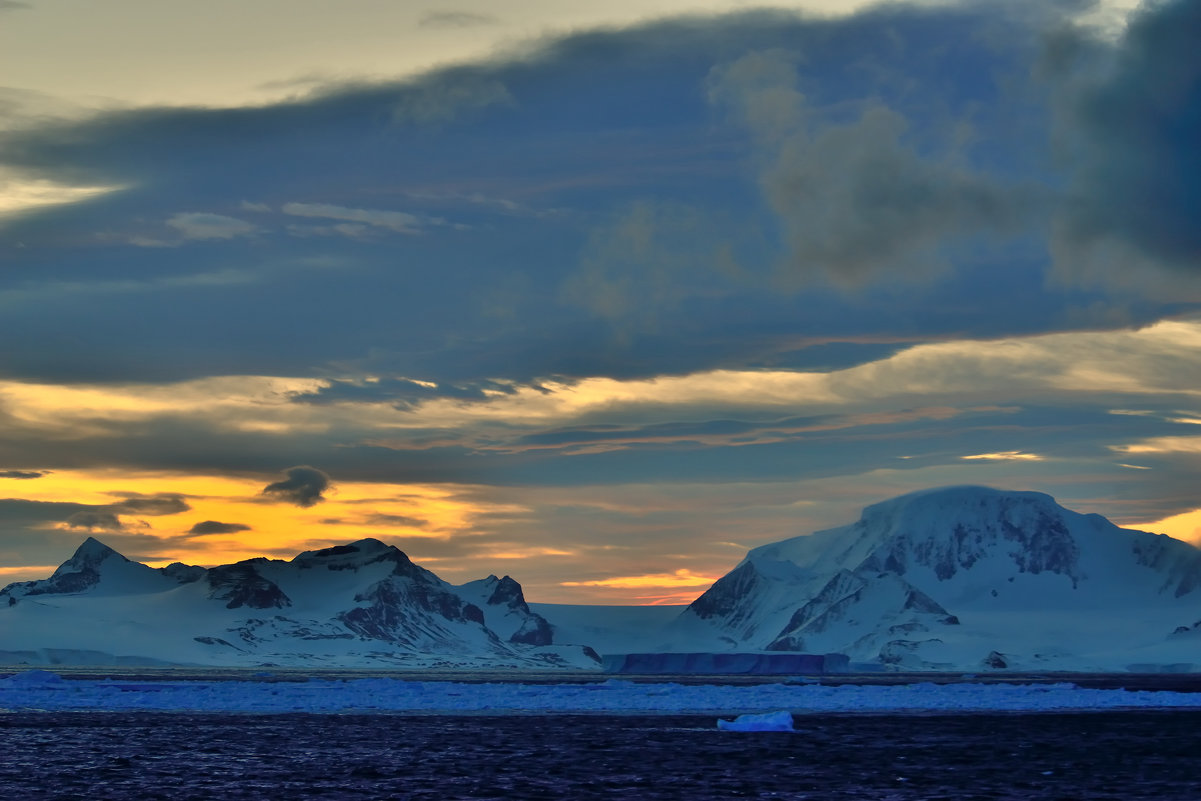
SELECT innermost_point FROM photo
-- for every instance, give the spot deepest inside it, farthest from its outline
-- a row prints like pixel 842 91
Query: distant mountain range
pixel 960 578
pixel 362 604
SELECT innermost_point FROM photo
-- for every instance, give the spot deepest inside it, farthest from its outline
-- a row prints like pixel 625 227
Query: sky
pixel 599 296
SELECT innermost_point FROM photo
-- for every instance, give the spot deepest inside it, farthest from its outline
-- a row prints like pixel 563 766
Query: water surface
pixel 104 755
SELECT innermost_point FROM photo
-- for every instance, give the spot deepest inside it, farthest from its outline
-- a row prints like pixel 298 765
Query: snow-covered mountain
pixel 963 578
pixel 361 604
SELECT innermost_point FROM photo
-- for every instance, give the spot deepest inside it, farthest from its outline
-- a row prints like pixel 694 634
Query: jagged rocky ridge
pixel 964 578
pixel 364 603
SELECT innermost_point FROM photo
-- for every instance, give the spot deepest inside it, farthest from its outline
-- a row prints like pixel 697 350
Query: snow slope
pixel 612 629
pixel 361 604
pixel 964 578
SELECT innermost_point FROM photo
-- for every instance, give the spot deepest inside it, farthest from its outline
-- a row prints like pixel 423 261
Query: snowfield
pixel 39 690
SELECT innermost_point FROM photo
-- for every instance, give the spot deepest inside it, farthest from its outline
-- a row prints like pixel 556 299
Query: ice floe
pixel 768 721
pixel 40 690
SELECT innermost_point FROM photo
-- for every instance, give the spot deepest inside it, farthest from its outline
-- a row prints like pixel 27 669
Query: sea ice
pixel 768 721
pixel 32 678
pixel 41 690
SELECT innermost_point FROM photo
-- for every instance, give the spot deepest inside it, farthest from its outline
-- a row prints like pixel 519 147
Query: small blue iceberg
pixel 767 721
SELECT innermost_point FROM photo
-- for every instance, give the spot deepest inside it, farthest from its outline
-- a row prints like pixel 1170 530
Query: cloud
pixel 304 486
pixel 1162 445
pixel 95 521
pixel 215 527
pixel 23 474
pixel 18 514
pixel 202 225
pixel 678 229
pixel 651 257
pixel 404 521
pixel 1004 456
pixel 855 200
pixel 398 221
pixel 455 19
pixel 447 96
pixel 107 517
pixel 13 5
pixel 23 195
pixel 154 505
pixel 402 393
pixel 1128 130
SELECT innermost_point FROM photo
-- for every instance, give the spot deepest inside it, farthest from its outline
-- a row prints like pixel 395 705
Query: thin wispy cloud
pixel 455 19
pixel 396 221
pixel 202 225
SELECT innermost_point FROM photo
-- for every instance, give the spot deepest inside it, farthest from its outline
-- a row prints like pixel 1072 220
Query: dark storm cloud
pixel 888 142
pixel 1131 126
pixel 216 527
pixel 23 474
pixel 304 486
pixel 856 200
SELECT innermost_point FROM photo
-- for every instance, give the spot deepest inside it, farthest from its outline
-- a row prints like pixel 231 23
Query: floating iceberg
pixel 767 721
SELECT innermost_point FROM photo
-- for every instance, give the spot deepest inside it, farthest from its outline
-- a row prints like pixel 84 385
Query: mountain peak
pixel 87 557
pixel 950 529
pixel 354 554
pixel 93 549
pixel 958 498
pixel 949 575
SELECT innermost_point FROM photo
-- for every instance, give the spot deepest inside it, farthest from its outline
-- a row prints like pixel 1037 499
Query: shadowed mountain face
pixel 963 577
pixel 360 603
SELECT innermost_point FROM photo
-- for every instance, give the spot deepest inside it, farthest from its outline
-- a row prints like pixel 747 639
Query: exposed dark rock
pixel 995 661
pixel 534 631
pixel 724 597
pixel 216 641
pixel 241 585
pixel 508 593
pixel 473 613
pixel 184 574
pixel 409 611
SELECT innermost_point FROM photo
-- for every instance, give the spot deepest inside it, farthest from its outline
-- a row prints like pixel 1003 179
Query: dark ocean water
pixel 1120 756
